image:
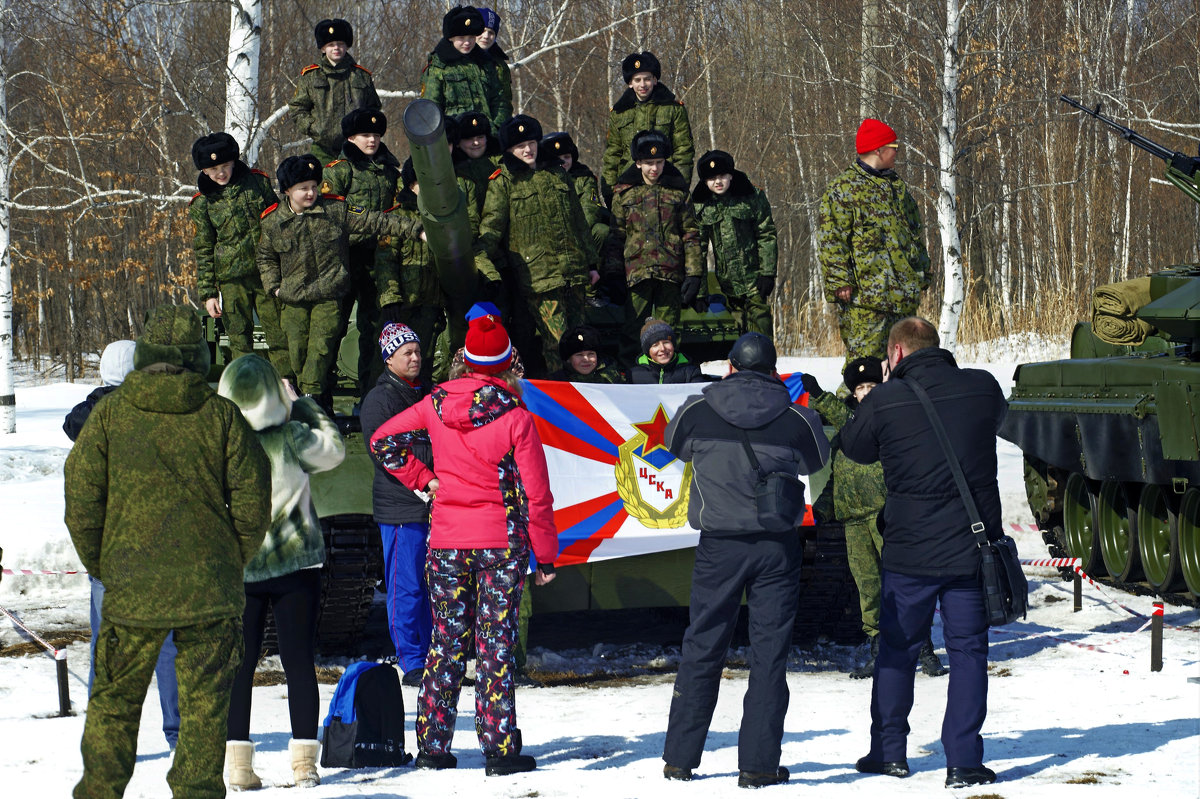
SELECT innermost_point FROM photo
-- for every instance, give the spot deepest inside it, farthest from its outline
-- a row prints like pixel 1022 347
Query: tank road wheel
pixel 1079 524
pixel 1189 540
pixel 1116 528
pixel 1158 538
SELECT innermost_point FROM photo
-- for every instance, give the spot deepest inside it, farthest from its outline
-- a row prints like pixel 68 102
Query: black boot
pixel 930 664
pixel 503 765
pixel 867 669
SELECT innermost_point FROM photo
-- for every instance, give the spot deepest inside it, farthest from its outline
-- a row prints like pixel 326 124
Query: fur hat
pixel 173 334
pixel 333 30
pixel 863 370
pixel 753 352
pixel 116 361
pixel 648 144
pixel 394 336
pixel 490 18
pixel 713 163
pixel 654 331
pixel 364 120
pixel 872 134
pixel 450 125
pixel 254 386
pixel 488 348
pixel 296 169
pixel 578 339
pixel 640 62
pixel 213 149
pixel 462 21
pixel 408 173
pixel 517 129
pixel 559 143
pixel 472 124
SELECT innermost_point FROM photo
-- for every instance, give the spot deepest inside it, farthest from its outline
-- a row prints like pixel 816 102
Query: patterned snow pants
pixel 475 593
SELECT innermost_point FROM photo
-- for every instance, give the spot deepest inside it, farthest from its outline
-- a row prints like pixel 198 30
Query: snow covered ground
pixel 1074 708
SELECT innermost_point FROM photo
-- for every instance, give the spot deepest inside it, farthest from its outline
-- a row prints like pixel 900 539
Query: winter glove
pixel 700 304
pixel 765 284
pixel 811 385
pixel 389 313
pixel 689 289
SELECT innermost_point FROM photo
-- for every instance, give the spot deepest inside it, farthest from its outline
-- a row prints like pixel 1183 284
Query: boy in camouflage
pixel 645 105
pixel 487 43
pixel 560 145
pixel 168 496
pixel 225 215
pixel 655 240
pixel 736 219
pixel 476 153
pixel 460 76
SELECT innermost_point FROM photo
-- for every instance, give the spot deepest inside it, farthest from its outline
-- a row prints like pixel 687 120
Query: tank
pixel 1111 436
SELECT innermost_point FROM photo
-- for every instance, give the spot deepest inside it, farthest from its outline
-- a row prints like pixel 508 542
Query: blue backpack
pixel 365 724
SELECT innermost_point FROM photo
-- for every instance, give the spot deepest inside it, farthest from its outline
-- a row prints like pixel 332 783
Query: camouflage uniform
pixel 738 223
pixel 226 223
pixel 598 218
pixel 324 94
pixel 533 223
pixel 660 111
pixel 405 275
pixel 460 82
pixel 870 239
pixel 168 495
pixel 503 75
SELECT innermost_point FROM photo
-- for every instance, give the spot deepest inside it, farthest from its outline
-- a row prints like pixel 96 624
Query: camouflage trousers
pixel 554 312
pixel 755 313
pixel 865 331
pixel 863 547
pixel 314 332
pixel 647 298
pixel 240 300
pixel 363 301
pixel 209 655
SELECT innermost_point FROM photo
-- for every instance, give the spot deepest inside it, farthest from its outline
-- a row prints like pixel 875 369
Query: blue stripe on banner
pixel 541 404
pixel 589 526
pixel 795 385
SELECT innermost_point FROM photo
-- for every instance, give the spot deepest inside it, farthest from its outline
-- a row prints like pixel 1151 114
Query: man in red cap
pixel 870 245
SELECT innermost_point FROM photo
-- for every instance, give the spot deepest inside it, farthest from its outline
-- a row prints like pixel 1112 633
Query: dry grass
pixel 325 676
pixel 60 641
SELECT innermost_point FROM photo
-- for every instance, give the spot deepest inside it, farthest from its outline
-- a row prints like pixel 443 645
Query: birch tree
pixel 241 81
pixel 954 289
pixel 8 395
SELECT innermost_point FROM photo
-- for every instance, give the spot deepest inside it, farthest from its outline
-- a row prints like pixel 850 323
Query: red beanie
pixel 873 134
pixel 488 349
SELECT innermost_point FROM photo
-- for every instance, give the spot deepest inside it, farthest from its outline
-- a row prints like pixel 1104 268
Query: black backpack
pixel 365 725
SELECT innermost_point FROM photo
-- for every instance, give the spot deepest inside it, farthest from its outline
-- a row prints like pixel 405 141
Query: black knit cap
pixel 364 120
pixel 520 128
pixel 863 370
pixel 559 143
pixel 213 149
pixel 333 30
pixel 640 62
pixel 296 169
pixel 472 124
pixel 753 352
pixel 713 163
pixel 462 21
pixel 648 144
pixel 408 173
pixel 579 339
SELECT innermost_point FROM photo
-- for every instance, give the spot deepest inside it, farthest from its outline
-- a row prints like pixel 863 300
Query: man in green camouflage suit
pixel 168 496
pixel 870 245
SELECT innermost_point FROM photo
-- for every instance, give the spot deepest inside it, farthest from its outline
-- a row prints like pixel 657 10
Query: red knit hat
pixel 488 349
pixel 873 134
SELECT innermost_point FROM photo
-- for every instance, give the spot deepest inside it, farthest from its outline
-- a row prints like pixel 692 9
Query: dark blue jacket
pixel 925 526
pixel 392 501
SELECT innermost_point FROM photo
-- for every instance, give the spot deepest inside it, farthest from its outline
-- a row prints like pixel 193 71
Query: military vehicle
pixel 1111 436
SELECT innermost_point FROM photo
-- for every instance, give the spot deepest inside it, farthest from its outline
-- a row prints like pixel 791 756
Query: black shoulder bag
pixel 779 496
pixel 1005 589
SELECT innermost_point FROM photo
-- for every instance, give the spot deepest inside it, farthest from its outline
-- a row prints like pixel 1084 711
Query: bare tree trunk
pixel 868 76
pixel 8 394
pixel 241 75
pixel 947 201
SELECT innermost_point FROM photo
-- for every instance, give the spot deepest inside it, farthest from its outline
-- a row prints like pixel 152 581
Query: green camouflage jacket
pixel 587 187
pixel 369 181
pixel 738 223
pixel 533 222
pixel 858 488
pixel 870 238
pixel 325 94
pixel 478 171
pixel 503 74
pixel 226 221
pixel 404 270
pixel 304 255
pixel 660 111
pixel 168 495
pixel 604 373
pixel 459 83
pixel 654 230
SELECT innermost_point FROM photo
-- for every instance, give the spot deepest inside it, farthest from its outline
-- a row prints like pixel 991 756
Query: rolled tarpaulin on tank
pixel 1113 312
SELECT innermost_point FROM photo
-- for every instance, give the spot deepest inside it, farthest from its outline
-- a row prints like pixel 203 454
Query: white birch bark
pixel 8 401
pixel 241 73
pixel 947 199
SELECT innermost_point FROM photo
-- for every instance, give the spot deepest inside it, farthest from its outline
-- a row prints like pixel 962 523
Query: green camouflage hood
pixel 172 335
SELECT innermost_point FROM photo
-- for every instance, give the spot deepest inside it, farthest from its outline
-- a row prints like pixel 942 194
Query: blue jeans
pixel 164 669
pixel 410 620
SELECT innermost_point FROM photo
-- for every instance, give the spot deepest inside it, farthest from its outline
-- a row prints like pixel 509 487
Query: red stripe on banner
pixel 572 515
pixel 580 551
pixel 568 396
pixel 552 436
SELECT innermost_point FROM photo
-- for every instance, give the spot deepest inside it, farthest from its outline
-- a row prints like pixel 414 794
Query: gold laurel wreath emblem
pixel 625 471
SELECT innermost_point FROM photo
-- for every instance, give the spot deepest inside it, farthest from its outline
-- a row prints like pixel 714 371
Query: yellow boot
pixel 304 762
pixel 239 764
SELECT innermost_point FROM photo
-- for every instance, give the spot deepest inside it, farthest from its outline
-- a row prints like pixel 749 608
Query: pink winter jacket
pixel 488 457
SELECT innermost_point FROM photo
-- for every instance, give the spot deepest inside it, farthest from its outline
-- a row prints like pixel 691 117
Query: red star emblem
pixel 653 430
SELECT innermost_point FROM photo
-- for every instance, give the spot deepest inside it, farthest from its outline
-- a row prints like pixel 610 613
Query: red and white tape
pixel 57 654
pixel 41 571
pixel 1056 562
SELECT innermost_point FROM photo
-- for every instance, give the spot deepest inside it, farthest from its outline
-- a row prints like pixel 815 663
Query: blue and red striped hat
pixel 488 348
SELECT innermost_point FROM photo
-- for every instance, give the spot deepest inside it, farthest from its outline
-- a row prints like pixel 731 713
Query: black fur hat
pixel 713 163
pixel 863 370
pixel 649 144
pixel 640 62
pixel 213 149
pixel 462 21
pixel 520 128
pixel 408 173
pixel 333 30
pixel 472 124
pixel 559 143
pixel 364 120
pixel 578 339
pixel 296 169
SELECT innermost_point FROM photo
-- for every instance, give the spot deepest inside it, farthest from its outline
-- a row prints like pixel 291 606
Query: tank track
pixel 828 596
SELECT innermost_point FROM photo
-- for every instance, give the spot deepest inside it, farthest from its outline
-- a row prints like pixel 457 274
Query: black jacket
pixel 80 413
pixel 679 370
pixel 925 526
pixel 392 502
pixel 706 430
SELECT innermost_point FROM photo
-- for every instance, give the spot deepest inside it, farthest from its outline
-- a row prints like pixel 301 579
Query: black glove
pixel 811 385
pixel 546 568
pixel 389 313
pixel 614 287
pixel 700 304
pixel 689 289
pixel 765 284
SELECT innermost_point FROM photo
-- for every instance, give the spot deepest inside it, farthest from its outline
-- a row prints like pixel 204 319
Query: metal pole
pixel 1078 593
pixel 1156 630
pixel 64 692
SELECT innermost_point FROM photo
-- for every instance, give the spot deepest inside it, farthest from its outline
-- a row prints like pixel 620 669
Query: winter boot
pixel 239 765
pixel 930 664
pixel 867 669
pixel 304 762
pixel 435 760
pixel 503 765
pixel 757 779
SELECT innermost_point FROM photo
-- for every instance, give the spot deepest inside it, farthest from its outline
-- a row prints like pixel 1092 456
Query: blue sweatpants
pixel 409 619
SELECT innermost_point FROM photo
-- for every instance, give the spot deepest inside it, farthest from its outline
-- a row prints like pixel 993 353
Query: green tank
pixel 1111 436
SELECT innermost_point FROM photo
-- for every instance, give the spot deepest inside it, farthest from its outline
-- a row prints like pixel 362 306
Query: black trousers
pixel 296 598
pixel 766 566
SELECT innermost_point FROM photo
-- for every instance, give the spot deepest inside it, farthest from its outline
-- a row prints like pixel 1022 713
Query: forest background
pixel 1028 204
